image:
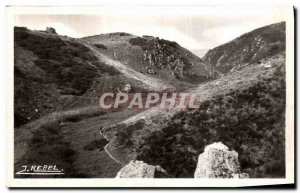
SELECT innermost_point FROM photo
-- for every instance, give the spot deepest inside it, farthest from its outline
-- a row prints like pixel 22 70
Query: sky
pixel 196 29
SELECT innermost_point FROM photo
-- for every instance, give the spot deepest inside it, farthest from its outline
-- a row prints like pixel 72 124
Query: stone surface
pixel 51 30
pixel 139 169
pixel 218 162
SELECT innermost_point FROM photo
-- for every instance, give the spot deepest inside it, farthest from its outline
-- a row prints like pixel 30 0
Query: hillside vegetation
pixel 58 81
pixel 245 110
pixel 249 48
pixel 54 73
pixel 155 57
pixel 250 121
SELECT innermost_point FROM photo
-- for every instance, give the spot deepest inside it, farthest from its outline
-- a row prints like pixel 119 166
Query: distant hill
pixel 248 48
pixel 159 58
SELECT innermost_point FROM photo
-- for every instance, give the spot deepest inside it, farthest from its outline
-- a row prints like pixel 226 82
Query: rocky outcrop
pixel 139 169
pixel 160 54
pixel 51 30
pixel 218 162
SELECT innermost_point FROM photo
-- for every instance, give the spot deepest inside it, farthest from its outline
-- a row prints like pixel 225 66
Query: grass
pixel 68 62
pixel 250 120
pixel 248 48
pixel 76 117
pixel 97 144
pixel 68 68
pixel 51 143
pixel 123 136
pixel 49 147
pixel 101 46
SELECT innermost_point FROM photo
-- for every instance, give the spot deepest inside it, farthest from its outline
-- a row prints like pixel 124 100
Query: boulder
pixel 51 30
pixel 139 169
pixel 218 162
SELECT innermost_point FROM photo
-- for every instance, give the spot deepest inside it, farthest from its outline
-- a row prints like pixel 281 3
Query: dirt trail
pixel 108 153
pixel 152 83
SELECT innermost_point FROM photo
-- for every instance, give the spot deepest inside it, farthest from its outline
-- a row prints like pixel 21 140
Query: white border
pixel 104 182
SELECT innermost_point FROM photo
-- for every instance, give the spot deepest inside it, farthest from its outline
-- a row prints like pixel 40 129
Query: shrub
pixel 138 41
pixel 97 144
pixel 101 46
pixel 123 136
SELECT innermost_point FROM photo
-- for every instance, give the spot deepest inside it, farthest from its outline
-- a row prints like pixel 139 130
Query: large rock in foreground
pixel 139 169
pixel 217 162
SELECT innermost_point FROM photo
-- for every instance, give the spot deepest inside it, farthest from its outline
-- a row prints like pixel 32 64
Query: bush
pixel 97 144
pixel 138 41
pixel 82 116
pixel 123 136
pixel 101 46
pixel 19 120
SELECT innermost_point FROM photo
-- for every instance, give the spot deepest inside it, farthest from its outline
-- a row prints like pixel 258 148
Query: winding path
pixel 151 82
pixel 109 154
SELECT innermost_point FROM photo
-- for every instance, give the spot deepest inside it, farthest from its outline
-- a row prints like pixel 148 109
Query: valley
pixel 59 80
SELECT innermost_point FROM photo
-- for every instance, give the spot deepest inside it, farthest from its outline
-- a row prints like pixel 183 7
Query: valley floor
pixel 93 155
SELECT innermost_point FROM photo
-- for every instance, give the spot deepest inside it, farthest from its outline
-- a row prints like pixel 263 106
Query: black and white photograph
pixel 150 96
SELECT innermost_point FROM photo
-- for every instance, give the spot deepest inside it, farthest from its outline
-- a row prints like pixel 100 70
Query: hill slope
pixel 162 59
pixel 248 48
pixel 62 78
pixel 245 109
pixel 54 72
pixel 58 80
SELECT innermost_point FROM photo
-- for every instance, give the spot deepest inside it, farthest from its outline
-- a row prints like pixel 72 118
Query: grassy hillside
pixel 250 121
pixel 58 81
pixel 244 110
pixel 248 48
pixel 54 73
pixel 159 58
pixel 71 140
